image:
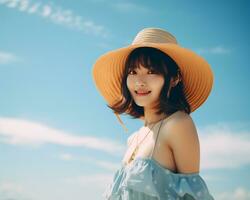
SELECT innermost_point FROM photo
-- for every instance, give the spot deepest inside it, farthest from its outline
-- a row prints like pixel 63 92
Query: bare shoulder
pixel 181 136
pixel 178 125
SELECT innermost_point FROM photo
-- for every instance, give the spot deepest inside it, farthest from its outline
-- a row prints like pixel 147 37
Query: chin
pixel 143 104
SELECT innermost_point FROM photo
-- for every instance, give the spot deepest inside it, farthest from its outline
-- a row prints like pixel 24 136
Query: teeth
pixel 142 92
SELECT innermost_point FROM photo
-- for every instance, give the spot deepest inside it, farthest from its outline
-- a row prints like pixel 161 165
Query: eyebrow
pixel 134 68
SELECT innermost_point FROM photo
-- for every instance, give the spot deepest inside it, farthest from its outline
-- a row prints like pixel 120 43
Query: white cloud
pixel 239 193
pixel 123 6
pixel 93 179
pixel 10 186
pixel 24 132
pixel 34 8
pixel 6 57
pixel 23 5
pixel 46 11
pixel 12 190
pixel 112 166
pixel 222 147
pixel 58 15
pixel 129 7
pixel 66 157
pixel 98 182
pixel 57 188
pixel 214 50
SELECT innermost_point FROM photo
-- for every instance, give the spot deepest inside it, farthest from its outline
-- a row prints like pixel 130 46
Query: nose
pixel 139 83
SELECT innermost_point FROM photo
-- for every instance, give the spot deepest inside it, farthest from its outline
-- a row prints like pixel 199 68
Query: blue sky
pixel 58 139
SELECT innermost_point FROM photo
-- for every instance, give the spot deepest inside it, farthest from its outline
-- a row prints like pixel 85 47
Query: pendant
pixel 133 154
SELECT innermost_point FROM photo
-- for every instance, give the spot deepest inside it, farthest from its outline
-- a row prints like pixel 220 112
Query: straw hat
pixel 197 75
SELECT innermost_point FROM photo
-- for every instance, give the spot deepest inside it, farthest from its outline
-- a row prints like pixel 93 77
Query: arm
pixel 184 142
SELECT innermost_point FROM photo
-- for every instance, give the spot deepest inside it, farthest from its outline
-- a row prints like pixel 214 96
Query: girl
pixel 156 80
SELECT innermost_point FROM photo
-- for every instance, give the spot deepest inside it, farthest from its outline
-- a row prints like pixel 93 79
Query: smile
pixel 142 94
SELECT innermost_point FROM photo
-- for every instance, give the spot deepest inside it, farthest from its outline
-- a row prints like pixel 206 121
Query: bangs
pixel 150 58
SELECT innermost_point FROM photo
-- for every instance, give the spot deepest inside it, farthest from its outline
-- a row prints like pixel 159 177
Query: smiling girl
pixel 161 83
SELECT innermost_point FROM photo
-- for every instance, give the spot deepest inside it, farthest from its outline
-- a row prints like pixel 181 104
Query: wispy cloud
pixel 91 179
pixel 97 182
pixel 214 50
pixel 223 147
pixel 6 58
pixel 12 190
pixel 239 193
pixel 129 7
pixel 97 162
pixel 64 188
pixel 58 15
pixel 24 132
pixel 124 6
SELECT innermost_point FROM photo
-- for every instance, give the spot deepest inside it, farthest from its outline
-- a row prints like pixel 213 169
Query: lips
pixel 142 92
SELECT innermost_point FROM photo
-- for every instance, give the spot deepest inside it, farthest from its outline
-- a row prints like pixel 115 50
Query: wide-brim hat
pixel 197 75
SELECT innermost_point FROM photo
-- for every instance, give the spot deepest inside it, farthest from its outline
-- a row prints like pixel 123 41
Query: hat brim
pixel 197 75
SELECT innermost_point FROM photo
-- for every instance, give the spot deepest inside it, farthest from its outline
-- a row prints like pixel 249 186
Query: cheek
pixel 157 83
pixel 129 83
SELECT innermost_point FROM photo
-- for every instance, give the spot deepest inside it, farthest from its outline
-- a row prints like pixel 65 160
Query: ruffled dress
pixel 147 179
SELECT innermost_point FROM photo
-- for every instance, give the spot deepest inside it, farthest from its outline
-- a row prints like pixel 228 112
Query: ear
pixel 176 80
pixel 173 83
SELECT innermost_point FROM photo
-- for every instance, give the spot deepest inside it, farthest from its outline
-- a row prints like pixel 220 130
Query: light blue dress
pixel 147 179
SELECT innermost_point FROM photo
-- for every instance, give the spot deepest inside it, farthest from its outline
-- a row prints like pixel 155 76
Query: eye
pixel 131 71
pixel 151 71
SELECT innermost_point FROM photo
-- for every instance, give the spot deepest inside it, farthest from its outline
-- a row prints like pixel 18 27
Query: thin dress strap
pixel 158 133
pixel 152 152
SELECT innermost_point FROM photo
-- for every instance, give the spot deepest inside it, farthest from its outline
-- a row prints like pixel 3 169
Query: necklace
pixel 137 145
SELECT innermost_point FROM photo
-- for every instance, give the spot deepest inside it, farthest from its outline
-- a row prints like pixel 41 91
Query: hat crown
pixel 154 35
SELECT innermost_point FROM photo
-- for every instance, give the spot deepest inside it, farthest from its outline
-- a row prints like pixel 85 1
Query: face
pixel 140 81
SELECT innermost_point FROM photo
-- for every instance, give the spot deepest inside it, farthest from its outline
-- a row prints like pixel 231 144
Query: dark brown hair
pixel 153 59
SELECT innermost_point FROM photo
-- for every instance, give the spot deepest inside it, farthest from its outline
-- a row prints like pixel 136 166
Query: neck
pixel 151 118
